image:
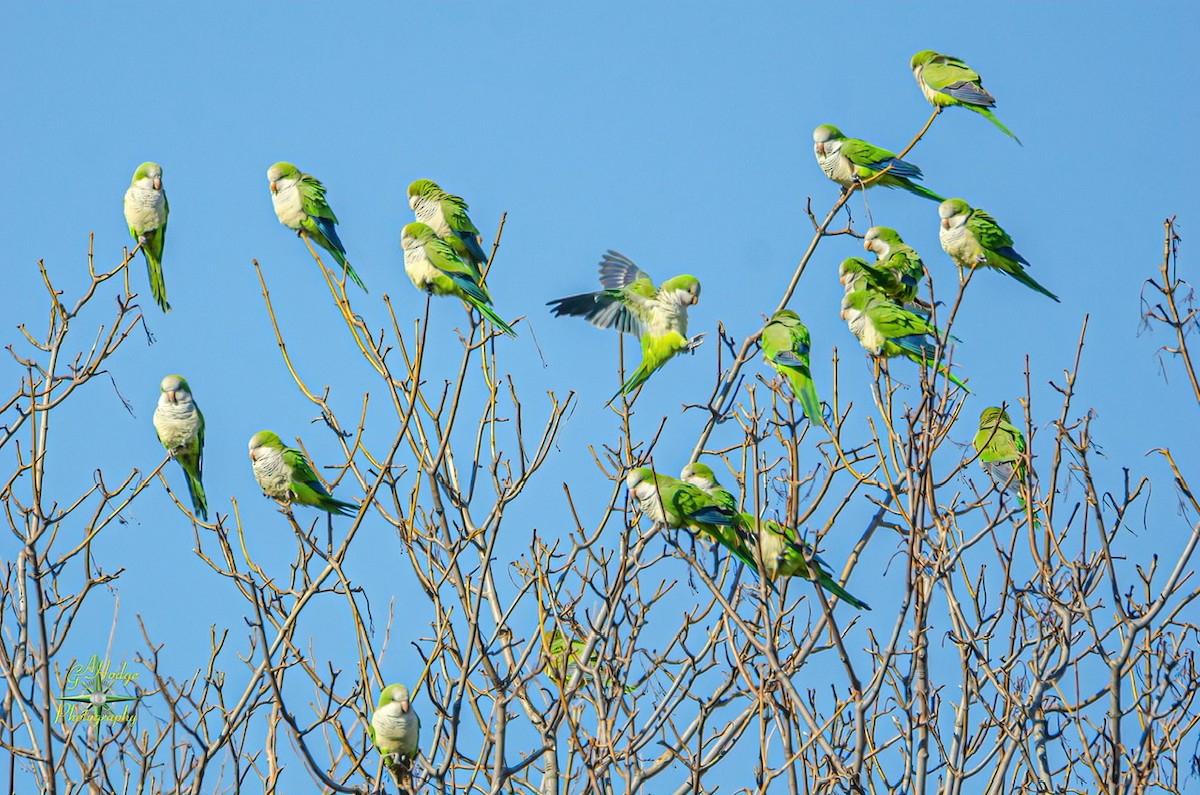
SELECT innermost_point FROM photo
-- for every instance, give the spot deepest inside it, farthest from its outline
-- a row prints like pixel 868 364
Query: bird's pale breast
pixel 145 208
pixel 273 475
pixel 177 424
pixel 289 207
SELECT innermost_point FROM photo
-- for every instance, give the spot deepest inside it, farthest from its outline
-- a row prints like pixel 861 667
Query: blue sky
pixel 678 134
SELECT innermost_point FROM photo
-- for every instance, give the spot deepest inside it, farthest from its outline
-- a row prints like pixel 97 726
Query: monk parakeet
pixel 395 730
pixel 946 80
pixel 850 162
pixel 1001 447
pixel 897 263
pixel 785 346
pixel 434 267
pixel 285 474
pixel 563 655
pixel 676 504
pixel 146 212
pixel 783 552
pixel 630 303
pixel 887 329
pixel 973 239
pixel 855 274
pixel 447 215
pixel 299 201
pixel 180 428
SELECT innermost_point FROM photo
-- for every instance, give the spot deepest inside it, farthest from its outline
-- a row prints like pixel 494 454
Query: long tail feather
pixel 158 283
pixel 987 114
pixel 1027 280
pixel 829 584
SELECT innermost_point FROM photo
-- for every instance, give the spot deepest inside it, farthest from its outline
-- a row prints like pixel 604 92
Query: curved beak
pixel 867 245
pixel 821 149
pixel 945 223
pixel 171 396
pixel 158 183
pixel 274 186
pixel 252 455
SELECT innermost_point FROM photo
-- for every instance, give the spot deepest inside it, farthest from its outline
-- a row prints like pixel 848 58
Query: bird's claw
pixel 694 343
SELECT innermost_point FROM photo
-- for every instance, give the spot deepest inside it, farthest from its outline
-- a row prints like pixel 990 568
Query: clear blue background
pixel 678 134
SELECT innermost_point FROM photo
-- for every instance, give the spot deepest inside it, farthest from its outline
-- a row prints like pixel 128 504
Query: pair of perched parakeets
pixel 282 472
pixel 442 251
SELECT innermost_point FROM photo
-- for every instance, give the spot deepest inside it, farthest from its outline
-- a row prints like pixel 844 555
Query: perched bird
pixel 973 239
pixel 146 212
pixel 630 303
pixel 1001 447
pixel 434 267
pixel 946 81
pixel 897 264
pixel 785 346
pixel 675 504
pixel 180 428
pixel 563 654
pixel 447 215
pixel 782 551
pixel 395 730
pixel 887 329
pixel 285 474
pixel 299 201
pixel 855 274
pixel 850 162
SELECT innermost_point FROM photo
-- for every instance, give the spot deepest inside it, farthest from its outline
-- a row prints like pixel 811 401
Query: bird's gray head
pixel 953 212
pixel 261 440
pixel 396 694
pixel 280 171
pixel 638 476
pixel 150 173
pixel 175 389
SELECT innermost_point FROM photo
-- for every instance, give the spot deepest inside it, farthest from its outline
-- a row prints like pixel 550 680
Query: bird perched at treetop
pixel 447 215
pixel 850 162
pixel 285 474
pixel 433 266
pixel 146 212
pixel 180 427
pixel 947 81
pixel 785 346
pixel 973 239
pixel 299 201
pixel 886 329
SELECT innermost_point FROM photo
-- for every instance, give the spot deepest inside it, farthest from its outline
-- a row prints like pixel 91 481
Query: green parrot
pixel 783 552
pixel 285 474
pixel 855 274
pixel 146 212
pixel 850 162
pixel 434 267
pixel 898 264
pixel 887 329
pixel 630 303
pixel 562 655
pixel 946 81
pixel 395 729
pixel 299 201
pixel 1001 447
pixel 785 346
pixel 675 504
pixel 180 428
pixel 973 239
pixel 447 215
